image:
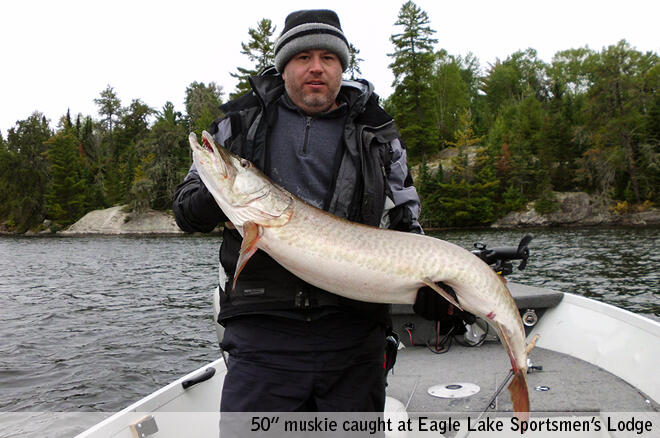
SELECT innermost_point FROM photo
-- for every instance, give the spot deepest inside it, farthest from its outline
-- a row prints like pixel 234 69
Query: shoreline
pixel 575 210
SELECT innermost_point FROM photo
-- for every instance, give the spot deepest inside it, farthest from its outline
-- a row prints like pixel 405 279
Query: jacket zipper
pixel 308 125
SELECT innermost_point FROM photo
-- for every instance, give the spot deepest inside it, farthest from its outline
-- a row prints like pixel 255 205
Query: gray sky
pixel 59 54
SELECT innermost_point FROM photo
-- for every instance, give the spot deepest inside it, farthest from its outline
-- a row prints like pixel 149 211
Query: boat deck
pixel 572 385
pixel 565 384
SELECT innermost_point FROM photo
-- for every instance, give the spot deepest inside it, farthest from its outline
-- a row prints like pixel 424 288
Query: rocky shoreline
pixel 120 220
pixel 576 209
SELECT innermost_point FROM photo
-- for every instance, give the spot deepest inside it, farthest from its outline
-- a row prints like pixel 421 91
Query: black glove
pixel 432 306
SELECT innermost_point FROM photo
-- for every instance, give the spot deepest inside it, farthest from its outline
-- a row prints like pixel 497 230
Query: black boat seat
pixel 526 297
pixel 532 297
pixel 532 302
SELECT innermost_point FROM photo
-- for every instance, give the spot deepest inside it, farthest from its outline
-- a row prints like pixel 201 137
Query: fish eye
pixel 245 163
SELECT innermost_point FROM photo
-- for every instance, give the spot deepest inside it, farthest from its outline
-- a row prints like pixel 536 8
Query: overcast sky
pixel 59 54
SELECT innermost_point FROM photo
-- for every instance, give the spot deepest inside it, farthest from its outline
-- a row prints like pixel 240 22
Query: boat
pixel 593 372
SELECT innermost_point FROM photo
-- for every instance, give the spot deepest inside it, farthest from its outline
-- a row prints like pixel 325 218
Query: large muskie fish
pixel 357 261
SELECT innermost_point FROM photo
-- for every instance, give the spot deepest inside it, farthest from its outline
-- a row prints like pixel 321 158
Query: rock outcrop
pixel 118 220
pixel 576 209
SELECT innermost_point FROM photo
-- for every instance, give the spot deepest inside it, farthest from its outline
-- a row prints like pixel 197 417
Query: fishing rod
pixel 491 403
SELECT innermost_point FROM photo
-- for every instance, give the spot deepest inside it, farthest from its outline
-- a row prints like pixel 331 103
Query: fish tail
pixel 520 394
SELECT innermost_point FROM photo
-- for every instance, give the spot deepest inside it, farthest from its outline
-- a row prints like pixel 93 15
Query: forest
pixel 516 131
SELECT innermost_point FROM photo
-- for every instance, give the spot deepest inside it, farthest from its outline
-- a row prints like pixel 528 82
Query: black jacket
pixel 372 185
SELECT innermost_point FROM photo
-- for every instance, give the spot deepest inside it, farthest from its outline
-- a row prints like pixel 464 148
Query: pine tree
pixel 623 91
pixel 202 105
pixel 109 107
pixel 131 131
pixel 412 67
pixel 164 160
pixel 353 67
pixel 26 179
pixel 463 166
pixel 65 200
pixel 260 50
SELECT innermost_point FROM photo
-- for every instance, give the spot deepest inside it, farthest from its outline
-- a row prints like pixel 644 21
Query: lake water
pixel 95 323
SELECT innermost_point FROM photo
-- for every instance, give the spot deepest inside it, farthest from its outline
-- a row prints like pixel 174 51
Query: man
pixel 294 347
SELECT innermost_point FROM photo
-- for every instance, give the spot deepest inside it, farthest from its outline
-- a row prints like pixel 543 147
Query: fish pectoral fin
pixel 251 234
pixel 442 292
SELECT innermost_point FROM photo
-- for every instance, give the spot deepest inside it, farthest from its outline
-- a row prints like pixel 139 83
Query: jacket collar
pixel 359 95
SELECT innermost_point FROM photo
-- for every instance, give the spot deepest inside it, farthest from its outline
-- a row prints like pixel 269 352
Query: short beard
pixel 317 103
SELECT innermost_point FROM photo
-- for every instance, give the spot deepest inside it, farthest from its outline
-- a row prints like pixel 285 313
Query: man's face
pixel 312 79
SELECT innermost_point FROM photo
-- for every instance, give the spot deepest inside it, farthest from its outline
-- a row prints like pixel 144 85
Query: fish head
pixel 241 190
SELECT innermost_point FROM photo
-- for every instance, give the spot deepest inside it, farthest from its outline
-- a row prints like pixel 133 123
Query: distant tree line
pixel 516 132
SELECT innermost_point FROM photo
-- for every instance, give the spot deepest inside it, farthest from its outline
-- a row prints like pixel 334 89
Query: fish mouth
pixel 209 143
pixel 221 156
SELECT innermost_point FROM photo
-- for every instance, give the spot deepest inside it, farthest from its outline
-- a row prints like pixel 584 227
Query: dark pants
pixel 332 365
pixel 254 387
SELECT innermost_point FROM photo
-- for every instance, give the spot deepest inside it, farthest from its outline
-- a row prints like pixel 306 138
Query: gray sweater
pixel 304 151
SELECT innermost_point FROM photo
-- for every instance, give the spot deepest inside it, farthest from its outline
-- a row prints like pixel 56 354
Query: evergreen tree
pixel 65 200
pixel 90 141
pixel 470 71
pixel 412 67
pixel 164 161
pixel 623 91
pixel 353 68
pixel 202 105
pixel 24 180
pixel 260 50
pixel 520 76
pixel 132 130
pixel 451 94
pixel 133 124
pixel 469 195
pixel 463 167
pixel 8 164
pixel 109 107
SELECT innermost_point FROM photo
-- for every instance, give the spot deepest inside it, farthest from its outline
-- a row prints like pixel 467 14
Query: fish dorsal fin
pixel 251 234
pixel 442 292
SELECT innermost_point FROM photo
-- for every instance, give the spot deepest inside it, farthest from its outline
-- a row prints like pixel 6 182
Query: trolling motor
pixel 500 258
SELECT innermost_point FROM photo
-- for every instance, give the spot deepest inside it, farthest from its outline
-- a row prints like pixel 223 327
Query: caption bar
pixel 640 424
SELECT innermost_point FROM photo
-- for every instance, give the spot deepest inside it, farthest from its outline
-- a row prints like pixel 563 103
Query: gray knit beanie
pixel 307 30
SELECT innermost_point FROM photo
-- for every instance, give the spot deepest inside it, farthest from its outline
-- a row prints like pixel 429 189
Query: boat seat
pixel 532 297
pixel 526 297
pixel 413 329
